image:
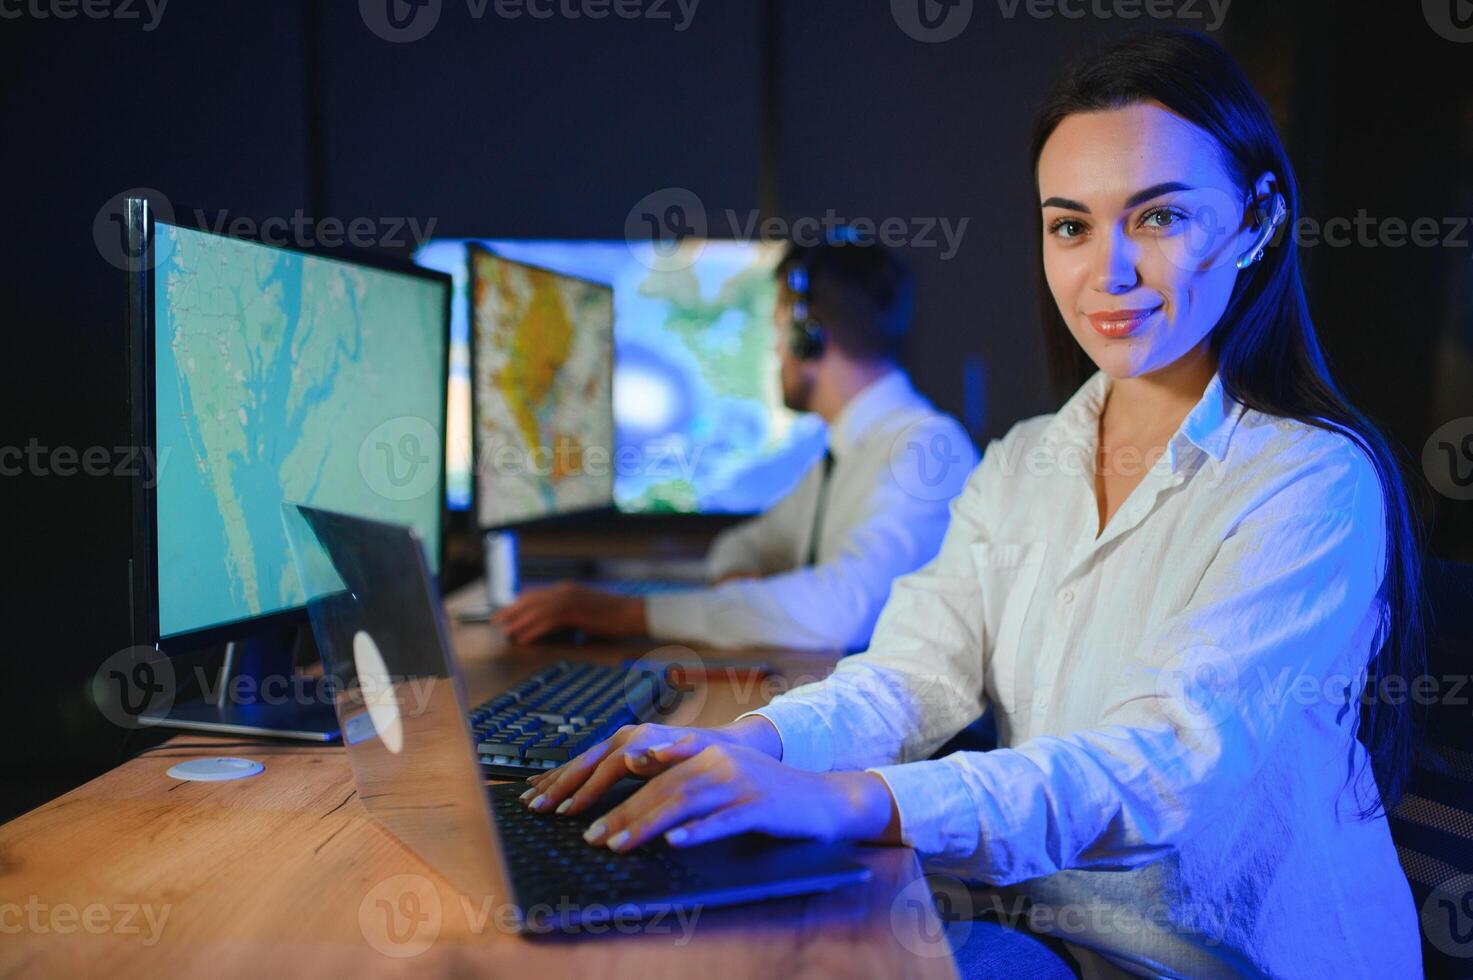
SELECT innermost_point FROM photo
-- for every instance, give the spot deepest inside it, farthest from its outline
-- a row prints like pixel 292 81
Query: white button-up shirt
pixel 897 466
pixel 1171 698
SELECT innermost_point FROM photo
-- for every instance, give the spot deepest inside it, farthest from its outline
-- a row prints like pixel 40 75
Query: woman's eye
pixel 1159 218
pixel 1067 228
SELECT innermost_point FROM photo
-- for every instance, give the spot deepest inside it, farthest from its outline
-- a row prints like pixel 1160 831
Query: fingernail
pixel 595 833
pixel 658 748
pixel 677 836
pixel 618 840
pixel 563 806
pixel 537 803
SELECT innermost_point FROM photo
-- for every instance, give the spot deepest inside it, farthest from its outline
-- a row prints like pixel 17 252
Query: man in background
pixel 815 569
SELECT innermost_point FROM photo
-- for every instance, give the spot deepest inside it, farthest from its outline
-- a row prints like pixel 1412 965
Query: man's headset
pixel 1268 215
pixel 807 338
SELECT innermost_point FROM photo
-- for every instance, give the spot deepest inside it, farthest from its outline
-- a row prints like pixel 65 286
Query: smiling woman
pixel 1158 795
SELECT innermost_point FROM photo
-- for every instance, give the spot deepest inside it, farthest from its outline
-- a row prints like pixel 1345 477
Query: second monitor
pixel 542 363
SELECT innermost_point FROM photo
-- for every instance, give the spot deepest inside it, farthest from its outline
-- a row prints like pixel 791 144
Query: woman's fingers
pixel 558 784
pixel 674 797
pixel 726 822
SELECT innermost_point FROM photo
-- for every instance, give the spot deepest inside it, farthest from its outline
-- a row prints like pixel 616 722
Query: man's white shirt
pixel 897 465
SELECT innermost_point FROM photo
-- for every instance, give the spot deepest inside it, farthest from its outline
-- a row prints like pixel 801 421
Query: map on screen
pixel 281 376
pixel 543 384
pixel 699 419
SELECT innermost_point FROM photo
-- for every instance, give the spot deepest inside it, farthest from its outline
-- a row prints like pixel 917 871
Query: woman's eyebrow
pixel 1139 197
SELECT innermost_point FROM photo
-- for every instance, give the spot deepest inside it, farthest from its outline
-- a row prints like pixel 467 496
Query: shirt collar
pixel 866 409
pixel 1208 426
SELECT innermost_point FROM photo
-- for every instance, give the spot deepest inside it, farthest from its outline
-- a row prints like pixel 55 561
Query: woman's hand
pixel 638 750
pixel 707 784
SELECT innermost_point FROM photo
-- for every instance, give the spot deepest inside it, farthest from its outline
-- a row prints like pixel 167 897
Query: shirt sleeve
pixel 832 605
pixel 755 546
pixel 921 681
pixel 1197 713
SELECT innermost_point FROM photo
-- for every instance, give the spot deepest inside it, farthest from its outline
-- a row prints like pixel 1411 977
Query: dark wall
pixel 558 127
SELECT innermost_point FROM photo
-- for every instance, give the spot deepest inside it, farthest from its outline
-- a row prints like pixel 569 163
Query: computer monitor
pixel 700 425
pixel 262 374
pixel 542 366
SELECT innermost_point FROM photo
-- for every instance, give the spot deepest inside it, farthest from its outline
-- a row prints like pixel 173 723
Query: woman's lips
pixel 1120 323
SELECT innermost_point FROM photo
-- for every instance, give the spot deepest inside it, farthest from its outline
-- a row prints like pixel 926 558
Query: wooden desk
pixel 137 875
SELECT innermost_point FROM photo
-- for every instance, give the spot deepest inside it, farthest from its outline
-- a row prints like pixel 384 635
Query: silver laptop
pixel 376 615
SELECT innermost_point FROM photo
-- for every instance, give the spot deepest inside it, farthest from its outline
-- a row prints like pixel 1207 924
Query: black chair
pixel 1433 824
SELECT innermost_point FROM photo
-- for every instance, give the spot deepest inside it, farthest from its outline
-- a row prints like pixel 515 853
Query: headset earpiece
pixel 807 339
pixel 1268 214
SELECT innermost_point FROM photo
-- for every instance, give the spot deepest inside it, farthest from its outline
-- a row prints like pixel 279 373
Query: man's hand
pixel 568 605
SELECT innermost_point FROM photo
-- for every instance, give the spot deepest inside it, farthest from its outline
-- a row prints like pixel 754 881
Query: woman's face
pixel 1142 230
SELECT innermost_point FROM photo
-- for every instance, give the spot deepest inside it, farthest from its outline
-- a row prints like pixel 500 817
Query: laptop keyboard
pixel 551 863
pixel 562 710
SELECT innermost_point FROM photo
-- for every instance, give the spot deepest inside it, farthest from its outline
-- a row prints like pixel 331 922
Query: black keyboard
pixel 562 710
pixel 552 865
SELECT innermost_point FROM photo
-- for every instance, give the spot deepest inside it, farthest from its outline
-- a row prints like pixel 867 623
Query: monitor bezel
pixel 472 249
pixel 143 603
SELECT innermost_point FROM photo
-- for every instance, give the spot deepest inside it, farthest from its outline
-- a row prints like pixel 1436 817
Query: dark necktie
pixel 823 493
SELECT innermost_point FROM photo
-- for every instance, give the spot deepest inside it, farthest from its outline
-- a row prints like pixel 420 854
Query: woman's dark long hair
pixel 1267 354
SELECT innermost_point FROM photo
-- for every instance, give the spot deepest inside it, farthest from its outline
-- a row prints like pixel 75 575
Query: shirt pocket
pixel 1007 577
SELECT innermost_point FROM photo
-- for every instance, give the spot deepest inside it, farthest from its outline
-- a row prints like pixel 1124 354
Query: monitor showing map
pixel 283 376
pixel 542 362
pixel 700 424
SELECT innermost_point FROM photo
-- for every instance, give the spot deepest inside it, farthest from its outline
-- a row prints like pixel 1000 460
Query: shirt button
pixel 1066 596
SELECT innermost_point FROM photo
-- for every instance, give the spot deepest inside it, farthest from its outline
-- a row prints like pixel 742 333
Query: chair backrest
pixel 1433 824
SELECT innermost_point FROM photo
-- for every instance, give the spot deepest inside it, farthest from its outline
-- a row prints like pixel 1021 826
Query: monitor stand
pixel 258 693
